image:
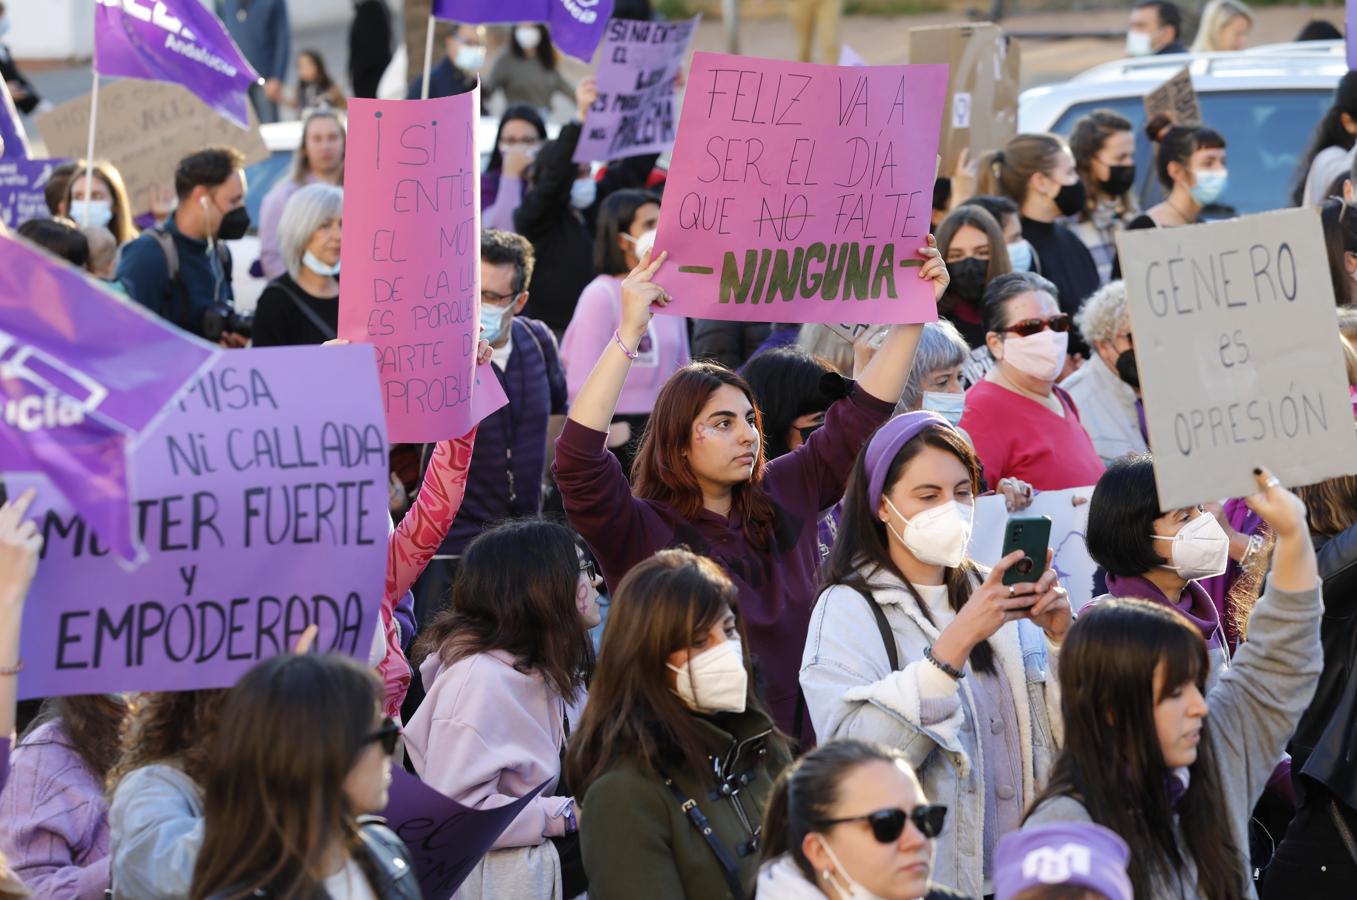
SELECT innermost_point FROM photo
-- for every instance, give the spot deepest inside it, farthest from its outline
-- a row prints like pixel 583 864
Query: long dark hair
pixel 273 797
pixel 1112 762
pixel 546 51
pixel 806 792
pixel 1087 140
pixel 518 113
pixel 323 79
pixel 633 713
pixel 92 724
pixel 1328 133
pixel 979 218
pixel 660 470
pixel 1340 237
pixel 616 215
pixel 789 383
pixel 515 592
pixel 862 547
pixel 173 727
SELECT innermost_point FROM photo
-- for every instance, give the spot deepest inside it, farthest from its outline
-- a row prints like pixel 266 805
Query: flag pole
pixel 89 148
pixel 428 56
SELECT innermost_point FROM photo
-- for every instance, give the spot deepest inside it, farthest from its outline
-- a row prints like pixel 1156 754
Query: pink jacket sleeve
pixel 591 328
pixel 413 544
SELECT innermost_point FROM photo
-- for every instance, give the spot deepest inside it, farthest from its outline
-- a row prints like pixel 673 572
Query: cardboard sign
pixel 634 113
pixel 144 129
pixel 1175 98
pixel 261 499
pixel 1238 319
pixel 981 111
pixel 801 193
pixel 411 258
pixel 1068 512
pixel 445 839
pixel 23 183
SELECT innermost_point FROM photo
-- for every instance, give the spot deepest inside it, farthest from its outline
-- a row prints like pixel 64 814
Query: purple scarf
pixel 1194 602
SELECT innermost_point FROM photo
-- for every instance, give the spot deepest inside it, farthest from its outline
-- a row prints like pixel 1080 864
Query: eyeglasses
pixel 388 735
pixel 495 299
pixel 1029 327
pixel 889 824
pixel 588 570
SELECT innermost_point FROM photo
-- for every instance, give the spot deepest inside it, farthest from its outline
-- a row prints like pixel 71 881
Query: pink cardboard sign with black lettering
pixel 1238 355
pixel 801 192
pixel 261 500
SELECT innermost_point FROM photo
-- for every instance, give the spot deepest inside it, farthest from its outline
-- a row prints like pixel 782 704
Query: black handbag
pixel 574 881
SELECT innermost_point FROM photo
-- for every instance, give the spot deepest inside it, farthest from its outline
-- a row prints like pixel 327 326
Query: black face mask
pixel 1120 179
pixel 1071 198
pixel 234 225
pixel 1126 368
pixel 968 278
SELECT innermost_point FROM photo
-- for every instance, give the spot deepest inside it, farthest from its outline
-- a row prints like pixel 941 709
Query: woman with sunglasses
pixel 914 646
pixel 505 667
pixel 1172 765
pixel 1021 424
pixel 302 754
pixel 849 819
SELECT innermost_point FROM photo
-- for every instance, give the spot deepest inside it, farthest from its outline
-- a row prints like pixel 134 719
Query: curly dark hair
pixel 169 726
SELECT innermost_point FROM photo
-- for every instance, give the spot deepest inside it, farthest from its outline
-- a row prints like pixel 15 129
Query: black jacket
pixel 10 72
pixel 369 46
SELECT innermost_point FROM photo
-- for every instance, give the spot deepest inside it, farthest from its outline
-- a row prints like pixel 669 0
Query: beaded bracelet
pixel 950 671
pixel 631 354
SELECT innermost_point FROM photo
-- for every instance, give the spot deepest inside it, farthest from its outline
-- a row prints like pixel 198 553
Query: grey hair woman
pixel 1106 389
pixel 934 382
pixel 301 306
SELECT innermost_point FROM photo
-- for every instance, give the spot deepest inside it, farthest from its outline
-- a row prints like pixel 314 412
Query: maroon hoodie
pixel 778 585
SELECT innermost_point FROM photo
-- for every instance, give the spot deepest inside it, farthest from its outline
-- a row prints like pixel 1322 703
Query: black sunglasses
pixel 388 735
pixel 1029 327
pixel 889 824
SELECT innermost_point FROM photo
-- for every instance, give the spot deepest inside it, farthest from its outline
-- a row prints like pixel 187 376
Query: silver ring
pixel 1012 591
pixel 1273 482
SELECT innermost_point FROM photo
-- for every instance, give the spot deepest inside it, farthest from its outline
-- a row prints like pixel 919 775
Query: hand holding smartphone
pixel 1031 535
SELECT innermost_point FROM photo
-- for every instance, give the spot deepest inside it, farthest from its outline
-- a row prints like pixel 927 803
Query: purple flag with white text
pixel 576 25
pixel 179 41
pixel 83 374
pixel 12 135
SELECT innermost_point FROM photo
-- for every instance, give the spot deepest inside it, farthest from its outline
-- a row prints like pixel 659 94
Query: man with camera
pixel 181 270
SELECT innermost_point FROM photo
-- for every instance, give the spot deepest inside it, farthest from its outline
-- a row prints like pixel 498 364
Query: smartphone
pixel 1031 535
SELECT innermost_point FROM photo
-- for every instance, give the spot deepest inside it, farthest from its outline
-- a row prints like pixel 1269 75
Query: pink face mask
pixel 1040 355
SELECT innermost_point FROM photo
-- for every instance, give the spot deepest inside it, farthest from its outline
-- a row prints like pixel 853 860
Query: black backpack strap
pixel 887 636
pixel 729 868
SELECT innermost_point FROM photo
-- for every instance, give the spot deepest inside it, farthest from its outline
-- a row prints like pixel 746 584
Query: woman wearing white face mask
pixel 526 71
pixel 914 646
pixel 1021 424
pixel 98 194
pixel 674 757
pixel 1190 163
pixel 849 821
pixel 301 306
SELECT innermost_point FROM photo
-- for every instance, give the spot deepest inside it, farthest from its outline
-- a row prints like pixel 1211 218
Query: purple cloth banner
pixel 635 110
pixel 83 373
pixel 576 25
pixel 12 134
pixel 262 500
pixel 179 41
pixel 1350 31
pixel 23 184
pixel 445 838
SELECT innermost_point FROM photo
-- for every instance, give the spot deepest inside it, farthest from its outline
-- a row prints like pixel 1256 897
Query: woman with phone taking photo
pixel 913 645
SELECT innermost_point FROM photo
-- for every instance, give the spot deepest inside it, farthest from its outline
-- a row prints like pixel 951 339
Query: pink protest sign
pixel 801 193
pixel 411 257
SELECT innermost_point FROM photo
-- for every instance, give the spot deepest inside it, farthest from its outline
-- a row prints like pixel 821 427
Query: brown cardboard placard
pixel 1176 98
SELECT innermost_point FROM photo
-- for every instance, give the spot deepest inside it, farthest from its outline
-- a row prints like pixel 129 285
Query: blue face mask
pixel 1210 185
pixel 1020 255
pixel 492 321
pixel 4 27
pixel 310 260
pixel 949 406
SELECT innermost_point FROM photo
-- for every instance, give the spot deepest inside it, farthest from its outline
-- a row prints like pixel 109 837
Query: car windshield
pixel 1265 132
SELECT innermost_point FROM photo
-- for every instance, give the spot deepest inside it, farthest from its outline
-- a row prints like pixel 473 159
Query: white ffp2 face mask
pixel 1138 43
pixel 528 36
pixel 938 536
pixel 1041 355
pixel 845 885
pixel 1201 549
pixel 714 681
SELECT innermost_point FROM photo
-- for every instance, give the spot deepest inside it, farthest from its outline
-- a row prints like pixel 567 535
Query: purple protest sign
pixel 13 138
pixel 634 112
pixel 262 500
pixel 23 184
pixel 445 838
pixel 83 373
pixel 576 25
pixel 1350 31
pixel 180 41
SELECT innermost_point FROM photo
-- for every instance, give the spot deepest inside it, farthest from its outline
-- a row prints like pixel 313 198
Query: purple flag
pixel 445 838
pixel 1350 31
pixel 83 374
pixel 576 25
pixel 23 189
pixel 262 500
pixel 12 135
pixel 179 41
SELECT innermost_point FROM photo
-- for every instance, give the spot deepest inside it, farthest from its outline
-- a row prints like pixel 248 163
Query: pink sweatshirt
pixel 487 734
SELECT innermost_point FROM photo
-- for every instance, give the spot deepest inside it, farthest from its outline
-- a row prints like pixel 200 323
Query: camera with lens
pixel 221 318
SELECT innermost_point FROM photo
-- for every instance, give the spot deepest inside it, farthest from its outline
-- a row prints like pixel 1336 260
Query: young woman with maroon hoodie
pixel 700 478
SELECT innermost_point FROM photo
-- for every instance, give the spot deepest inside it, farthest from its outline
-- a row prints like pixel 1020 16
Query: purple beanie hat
pixel 886 444
pixel 1079 853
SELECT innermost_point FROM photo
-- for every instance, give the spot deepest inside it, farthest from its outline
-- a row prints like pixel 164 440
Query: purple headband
pixel 1074 853
pixel 887 442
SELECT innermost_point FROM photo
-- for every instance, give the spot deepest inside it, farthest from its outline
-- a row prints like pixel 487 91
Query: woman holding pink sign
pixel 702 480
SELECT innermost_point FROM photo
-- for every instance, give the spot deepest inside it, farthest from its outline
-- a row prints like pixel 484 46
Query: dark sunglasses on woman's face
pixel 388 735
pixel 1029 327
pixel 889 824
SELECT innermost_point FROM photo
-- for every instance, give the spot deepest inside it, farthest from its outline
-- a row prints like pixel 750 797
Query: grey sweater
pixel 1254 708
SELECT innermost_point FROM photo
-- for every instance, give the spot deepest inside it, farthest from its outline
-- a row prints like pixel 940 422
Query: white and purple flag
pixel 576 25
